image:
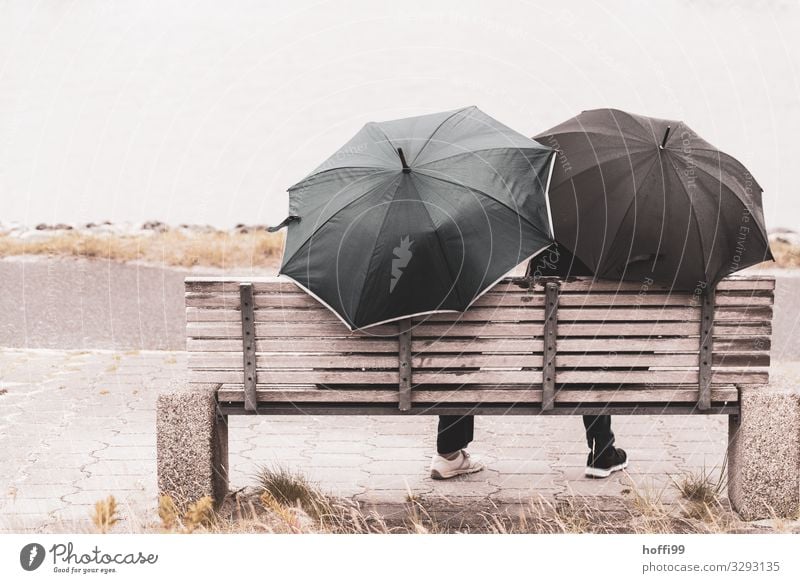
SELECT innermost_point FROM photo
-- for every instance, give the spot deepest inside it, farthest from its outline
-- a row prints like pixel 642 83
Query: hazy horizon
pixel 206 113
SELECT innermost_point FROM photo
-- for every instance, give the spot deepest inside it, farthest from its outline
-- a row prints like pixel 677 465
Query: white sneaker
pixel 443 468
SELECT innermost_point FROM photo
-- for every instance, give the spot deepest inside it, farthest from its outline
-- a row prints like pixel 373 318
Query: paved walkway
pixel 76 427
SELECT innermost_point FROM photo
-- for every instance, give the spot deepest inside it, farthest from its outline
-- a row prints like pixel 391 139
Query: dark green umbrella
pixel 640 198
pixel 418 215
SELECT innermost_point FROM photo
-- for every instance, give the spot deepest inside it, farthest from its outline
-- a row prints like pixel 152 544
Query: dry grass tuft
pixel 222 249
pixel 704 497
pixel 200 514
pixel 648 500
pixel 285 487
pixel 168 513
pixel 785 254
pixel 105 515
pixel 702 487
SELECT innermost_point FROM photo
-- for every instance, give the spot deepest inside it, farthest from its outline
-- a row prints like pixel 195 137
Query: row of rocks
pixel 785 236
pixel 44 230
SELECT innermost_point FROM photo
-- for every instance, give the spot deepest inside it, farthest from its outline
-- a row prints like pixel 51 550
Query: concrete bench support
pixel 192 445
pixel 764 453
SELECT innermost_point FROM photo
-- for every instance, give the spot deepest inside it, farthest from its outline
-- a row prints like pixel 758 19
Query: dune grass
pixel 249 247
pixel 254 248
pixel 285 501
pixel 786 254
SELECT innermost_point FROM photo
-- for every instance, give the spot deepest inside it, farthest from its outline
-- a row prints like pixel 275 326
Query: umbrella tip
pixel 664 141
pixel 406 167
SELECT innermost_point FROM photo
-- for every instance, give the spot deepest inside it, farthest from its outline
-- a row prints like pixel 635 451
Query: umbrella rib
pixel 322 224
pixel 396 184
pixel 486 194
pixel 441 247
pixel 696 224
pixel 338 168
pixel 383 133
pixel 586 133
pixel 433 133
pixel 641 123
pixel 595 166
pixel 543 150
pixel 630 206
pixel 745 203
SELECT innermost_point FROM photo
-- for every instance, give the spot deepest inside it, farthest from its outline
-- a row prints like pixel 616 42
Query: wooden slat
pixel 299 300
pixel 653 314
pixel 232 360
pixel 482 345
pixel 319 345
pixel 481 395
pixel 374 377
pixel 762 298
pixel 290 330
pixel 582 345
pixel 487 376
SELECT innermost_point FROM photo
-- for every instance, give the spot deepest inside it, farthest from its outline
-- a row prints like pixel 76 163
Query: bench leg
pixel 192 445
pixel 764 453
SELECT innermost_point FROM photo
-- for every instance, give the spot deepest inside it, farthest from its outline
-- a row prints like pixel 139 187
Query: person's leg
pixel 604 458
pixel 455 433
pixel 451 460
pixel 599 436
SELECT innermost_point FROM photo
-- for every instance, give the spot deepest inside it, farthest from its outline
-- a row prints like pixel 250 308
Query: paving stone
pixel 398 453
pixel 352 446
pixel 338 460
pixel 37 474
pixel 394 441
pixel 326 476
pixel 521 481
pixel 30 506
pixel 112 482
pixel 43 491
pixel 274 453
pixel 122 497
pixel 526 466
pixel 114 467
pixel 396 467
pixel 401 484
pixel 130 453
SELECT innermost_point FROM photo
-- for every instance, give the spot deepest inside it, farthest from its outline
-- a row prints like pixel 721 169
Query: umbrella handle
pixel 664 141
pixel 406 167
pixel 285 223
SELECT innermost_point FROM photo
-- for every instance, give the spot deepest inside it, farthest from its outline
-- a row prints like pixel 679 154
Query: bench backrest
pixel 609 337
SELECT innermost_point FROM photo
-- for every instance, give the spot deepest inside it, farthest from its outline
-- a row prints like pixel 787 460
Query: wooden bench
pixel 263 346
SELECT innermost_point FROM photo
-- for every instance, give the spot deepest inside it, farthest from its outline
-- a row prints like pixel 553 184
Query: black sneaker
pixel 611 460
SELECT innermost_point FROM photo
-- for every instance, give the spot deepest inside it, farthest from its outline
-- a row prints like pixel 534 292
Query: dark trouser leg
pixel 598 432
pixel 455 432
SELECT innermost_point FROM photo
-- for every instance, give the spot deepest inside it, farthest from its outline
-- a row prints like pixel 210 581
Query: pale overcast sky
pixel 205 112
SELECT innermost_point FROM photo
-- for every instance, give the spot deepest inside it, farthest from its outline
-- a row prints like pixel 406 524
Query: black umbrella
pixel 418 215
pixel 639 198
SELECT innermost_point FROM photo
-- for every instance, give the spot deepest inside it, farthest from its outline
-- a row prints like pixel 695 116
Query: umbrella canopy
pixel 418 215
pixel 640 198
